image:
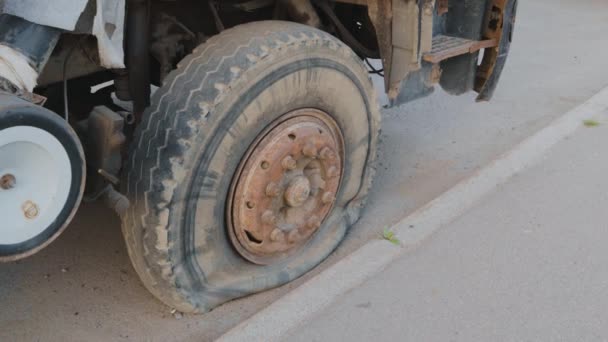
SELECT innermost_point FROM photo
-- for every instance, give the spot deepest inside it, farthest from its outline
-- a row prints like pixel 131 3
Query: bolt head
pixel 317 182
pixel 289 163
pixel 277 235
pixel 327 153
pixel 268 217
pixel 328 197
pixel 30 210
pixel 293 236
pixel 273 190
pixel 7 181
pixel 310 150
pixel 332 172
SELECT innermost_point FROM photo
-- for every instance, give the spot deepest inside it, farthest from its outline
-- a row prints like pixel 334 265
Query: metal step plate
pixel 445 47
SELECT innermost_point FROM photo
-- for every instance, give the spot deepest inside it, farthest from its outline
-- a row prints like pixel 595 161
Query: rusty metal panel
pixel 426 26
pixel 381 16
pixel 406 28
pixel 498 25
pixel 406 31
pixel 445 47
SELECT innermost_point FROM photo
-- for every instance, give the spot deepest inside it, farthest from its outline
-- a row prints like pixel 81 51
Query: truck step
pixel 445 47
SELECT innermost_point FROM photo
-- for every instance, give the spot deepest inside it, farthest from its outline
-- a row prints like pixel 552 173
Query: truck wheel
pixel 251 163
pixel 42 176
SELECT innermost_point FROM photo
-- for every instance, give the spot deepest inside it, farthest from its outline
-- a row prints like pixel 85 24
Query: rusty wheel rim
pixel 285 186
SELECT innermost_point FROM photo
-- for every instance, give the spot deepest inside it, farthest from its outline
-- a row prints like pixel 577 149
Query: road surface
pixel 528 263
pixel 83 287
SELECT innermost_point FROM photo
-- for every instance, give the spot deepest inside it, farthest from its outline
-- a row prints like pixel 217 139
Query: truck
pixel 235 139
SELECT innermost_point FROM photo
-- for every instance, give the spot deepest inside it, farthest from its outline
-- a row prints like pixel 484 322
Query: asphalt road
pixel 83 288
pixel 527 263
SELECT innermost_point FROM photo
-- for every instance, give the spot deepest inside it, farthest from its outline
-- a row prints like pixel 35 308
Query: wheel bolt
pixel 268 217
pixel 30 210
pixel 7 181
pixel 293 236
pixel 277 235
pixel 310 150
pixel 327 153
pixel 327 197
pixel 273 189
pixel 317 182
pixel 289 163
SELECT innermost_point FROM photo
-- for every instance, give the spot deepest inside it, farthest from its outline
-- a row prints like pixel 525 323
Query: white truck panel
pixel 107 23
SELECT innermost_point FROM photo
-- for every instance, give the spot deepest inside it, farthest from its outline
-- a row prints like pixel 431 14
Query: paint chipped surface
pixel 62 14
pixel 106 21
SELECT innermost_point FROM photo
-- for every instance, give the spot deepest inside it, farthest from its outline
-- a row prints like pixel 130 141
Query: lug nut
pixel 310 150
pixel 327 197
pixel 327 153
pixel 268 217
pixel 317 182
pixel 7 181
pixel 293 236
pixel 30 210
pixel 273 189
pixel 289 163
pixel 332 172
pixel 277 235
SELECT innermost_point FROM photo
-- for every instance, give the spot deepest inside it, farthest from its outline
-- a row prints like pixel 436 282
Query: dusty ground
pixel 83 287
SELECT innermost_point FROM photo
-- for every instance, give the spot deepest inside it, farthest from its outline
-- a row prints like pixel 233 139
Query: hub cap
pixel 35 178
pixel 285 186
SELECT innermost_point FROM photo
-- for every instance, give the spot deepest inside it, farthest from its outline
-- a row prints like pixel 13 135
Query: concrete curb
pixel 303 303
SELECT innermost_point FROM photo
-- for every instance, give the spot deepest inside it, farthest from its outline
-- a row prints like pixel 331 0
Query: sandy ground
pixel 83 287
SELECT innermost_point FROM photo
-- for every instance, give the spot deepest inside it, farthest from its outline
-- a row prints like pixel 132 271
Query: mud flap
pixel 498 25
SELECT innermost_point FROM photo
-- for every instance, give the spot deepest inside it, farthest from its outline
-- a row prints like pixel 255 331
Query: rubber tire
pixel 17 112
pixel 192 138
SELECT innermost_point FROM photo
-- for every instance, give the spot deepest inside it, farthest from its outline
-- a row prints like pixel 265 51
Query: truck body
pixel 236 138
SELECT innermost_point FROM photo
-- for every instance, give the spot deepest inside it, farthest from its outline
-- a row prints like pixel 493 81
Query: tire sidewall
pixel 323 82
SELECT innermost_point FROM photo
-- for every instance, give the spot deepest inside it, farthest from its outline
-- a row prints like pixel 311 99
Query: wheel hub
pixel 35 177
pixel 285 186
pixel 298 191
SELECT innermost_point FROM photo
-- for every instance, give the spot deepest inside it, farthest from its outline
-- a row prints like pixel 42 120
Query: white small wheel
pixel 35 177
pixel 41 179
